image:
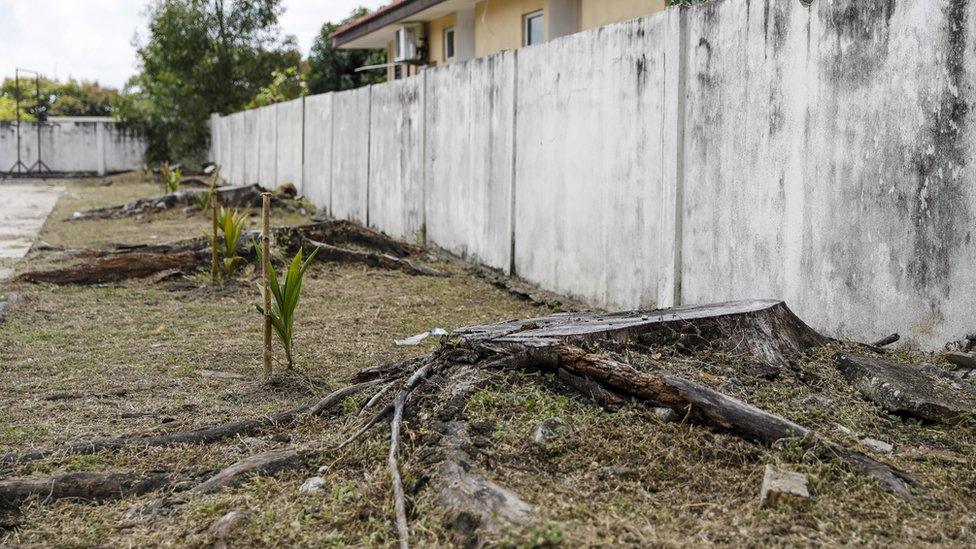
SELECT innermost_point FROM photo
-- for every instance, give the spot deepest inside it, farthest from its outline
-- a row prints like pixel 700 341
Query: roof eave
pixel 380 19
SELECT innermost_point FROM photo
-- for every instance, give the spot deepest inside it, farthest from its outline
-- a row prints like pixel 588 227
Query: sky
pixel 92 39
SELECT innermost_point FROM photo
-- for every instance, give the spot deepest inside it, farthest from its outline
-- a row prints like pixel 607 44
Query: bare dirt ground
pixel 81 362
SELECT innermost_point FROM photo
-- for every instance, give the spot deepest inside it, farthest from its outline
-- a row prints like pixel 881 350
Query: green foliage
pixel 285 297
pixel 332 69
pixel 172 179
pixel 198 58
pixel 231 223
pixel 285 85
pixel 71 98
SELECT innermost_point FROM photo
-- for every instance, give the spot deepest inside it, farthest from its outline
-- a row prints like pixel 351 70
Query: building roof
pixel 392 13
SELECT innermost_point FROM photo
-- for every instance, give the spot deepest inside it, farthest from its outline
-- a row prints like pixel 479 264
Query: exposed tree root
pixel 204 435
pixel 123 262
pixel 328 252
pixel 115 268
pixel 243 196
pixel 764 330
pixel 82 485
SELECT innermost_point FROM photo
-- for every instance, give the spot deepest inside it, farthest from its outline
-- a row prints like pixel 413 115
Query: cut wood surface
pixel 765 329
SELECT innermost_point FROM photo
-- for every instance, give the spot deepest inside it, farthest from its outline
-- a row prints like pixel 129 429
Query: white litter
pixel 415 340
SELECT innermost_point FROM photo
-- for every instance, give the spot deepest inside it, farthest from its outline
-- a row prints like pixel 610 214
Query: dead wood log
pixel 82 485
pixel 925 393
pixel 265 463
pixel 608 400
pixel 116 268
pixel 887 340
pixel 339 231
pixel 764 329
pixel 243 196
pixel 714 409
pixel 328 252
pixel 476 504
pixel 204 435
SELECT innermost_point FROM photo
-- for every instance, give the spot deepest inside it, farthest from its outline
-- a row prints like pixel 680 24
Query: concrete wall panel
pixel 240 152
pixel 396 159
pixel 589 174
pixel 289 143
pixel 267 145
pixel 317 177
pixel 73 147
pixel 826 163
pixel 350 171
pixel 470 122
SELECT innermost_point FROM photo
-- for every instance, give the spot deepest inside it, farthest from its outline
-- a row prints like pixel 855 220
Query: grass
pixel 626 478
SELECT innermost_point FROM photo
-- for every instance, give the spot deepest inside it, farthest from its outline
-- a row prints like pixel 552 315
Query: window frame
pixel 526 20
pixel 452 42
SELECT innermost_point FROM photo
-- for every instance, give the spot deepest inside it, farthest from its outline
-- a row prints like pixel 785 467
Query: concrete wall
pixel 290 122
pixel 736 149
pixel 396 159
pixel 588 170
pixel 317 176
pixel 350 154
pixel 470 126
pixel 267 153
pixel 96 147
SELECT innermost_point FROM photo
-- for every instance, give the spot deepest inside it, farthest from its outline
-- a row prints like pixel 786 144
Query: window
pixel 449 43
pixel 533 31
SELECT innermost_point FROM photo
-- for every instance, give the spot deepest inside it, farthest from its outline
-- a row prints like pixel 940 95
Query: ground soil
pixel 128 358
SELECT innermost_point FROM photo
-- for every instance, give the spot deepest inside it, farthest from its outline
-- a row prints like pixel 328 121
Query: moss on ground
pixel 626 478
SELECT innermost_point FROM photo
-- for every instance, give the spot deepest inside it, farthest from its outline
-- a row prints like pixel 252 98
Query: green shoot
pixel 173 180
pixel 285 296
pixel 231 223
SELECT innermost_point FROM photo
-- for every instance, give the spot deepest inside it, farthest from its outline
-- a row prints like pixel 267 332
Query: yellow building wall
pixel 435 38
pixel 500 27
pixel 597 13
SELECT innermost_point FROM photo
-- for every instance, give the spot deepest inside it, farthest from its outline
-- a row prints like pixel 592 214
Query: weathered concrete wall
pixel 350 156
pixel 74 147
pixel 827 163
pixel 240 150
pixel 267 122
pixel 589 181
pixel 289 143
pixel 251 145
pixel 470 125
pixel 317 176
pixel 735 149
pixel 396 159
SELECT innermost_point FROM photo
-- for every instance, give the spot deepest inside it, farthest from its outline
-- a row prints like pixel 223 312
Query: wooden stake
pixel 214 198
pixel 265 276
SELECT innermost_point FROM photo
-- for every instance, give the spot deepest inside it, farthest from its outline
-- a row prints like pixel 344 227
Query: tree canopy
pixel 71 98
pixel 200 57
pixel 332 69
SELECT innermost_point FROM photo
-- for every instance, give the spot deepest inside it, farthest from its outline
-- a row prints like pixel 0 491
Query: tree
pixel 200 57
pixel 332 69
pixel 71 98
pixel 285 85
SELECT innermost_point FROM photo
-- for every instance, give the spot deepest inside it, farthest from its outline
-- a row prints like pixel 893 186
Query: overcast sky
pixel 92 39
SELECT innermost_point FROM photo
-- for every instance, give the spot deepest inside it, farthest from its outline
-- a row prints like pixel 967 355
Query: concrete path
pixel 24 206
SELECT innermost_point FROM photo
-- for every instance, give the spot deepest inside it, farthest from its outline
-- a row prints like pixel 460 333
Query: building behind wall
pixel 417 33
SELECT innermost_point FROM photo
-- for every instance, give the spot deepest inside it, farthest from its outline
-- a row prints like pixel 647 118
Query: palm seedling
pixel 173 180
pixel 231 223
pixel 285 294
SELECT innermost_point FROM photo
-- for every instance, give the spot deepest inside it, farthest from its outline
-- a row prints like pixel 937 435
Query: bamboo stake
pixel 214 260
pixel 265 276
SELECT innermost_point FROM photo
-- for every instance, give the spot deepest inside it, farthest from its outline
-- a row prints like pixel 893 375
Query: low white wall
pixel 95 147
pixel 396 159
pixel 267 153
pixel 350 155
pixel 735 149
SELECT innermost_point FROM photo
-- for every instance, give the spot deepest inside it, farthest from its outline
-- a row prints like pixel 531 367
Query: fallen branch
pixel 116 268
pixel 244 196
